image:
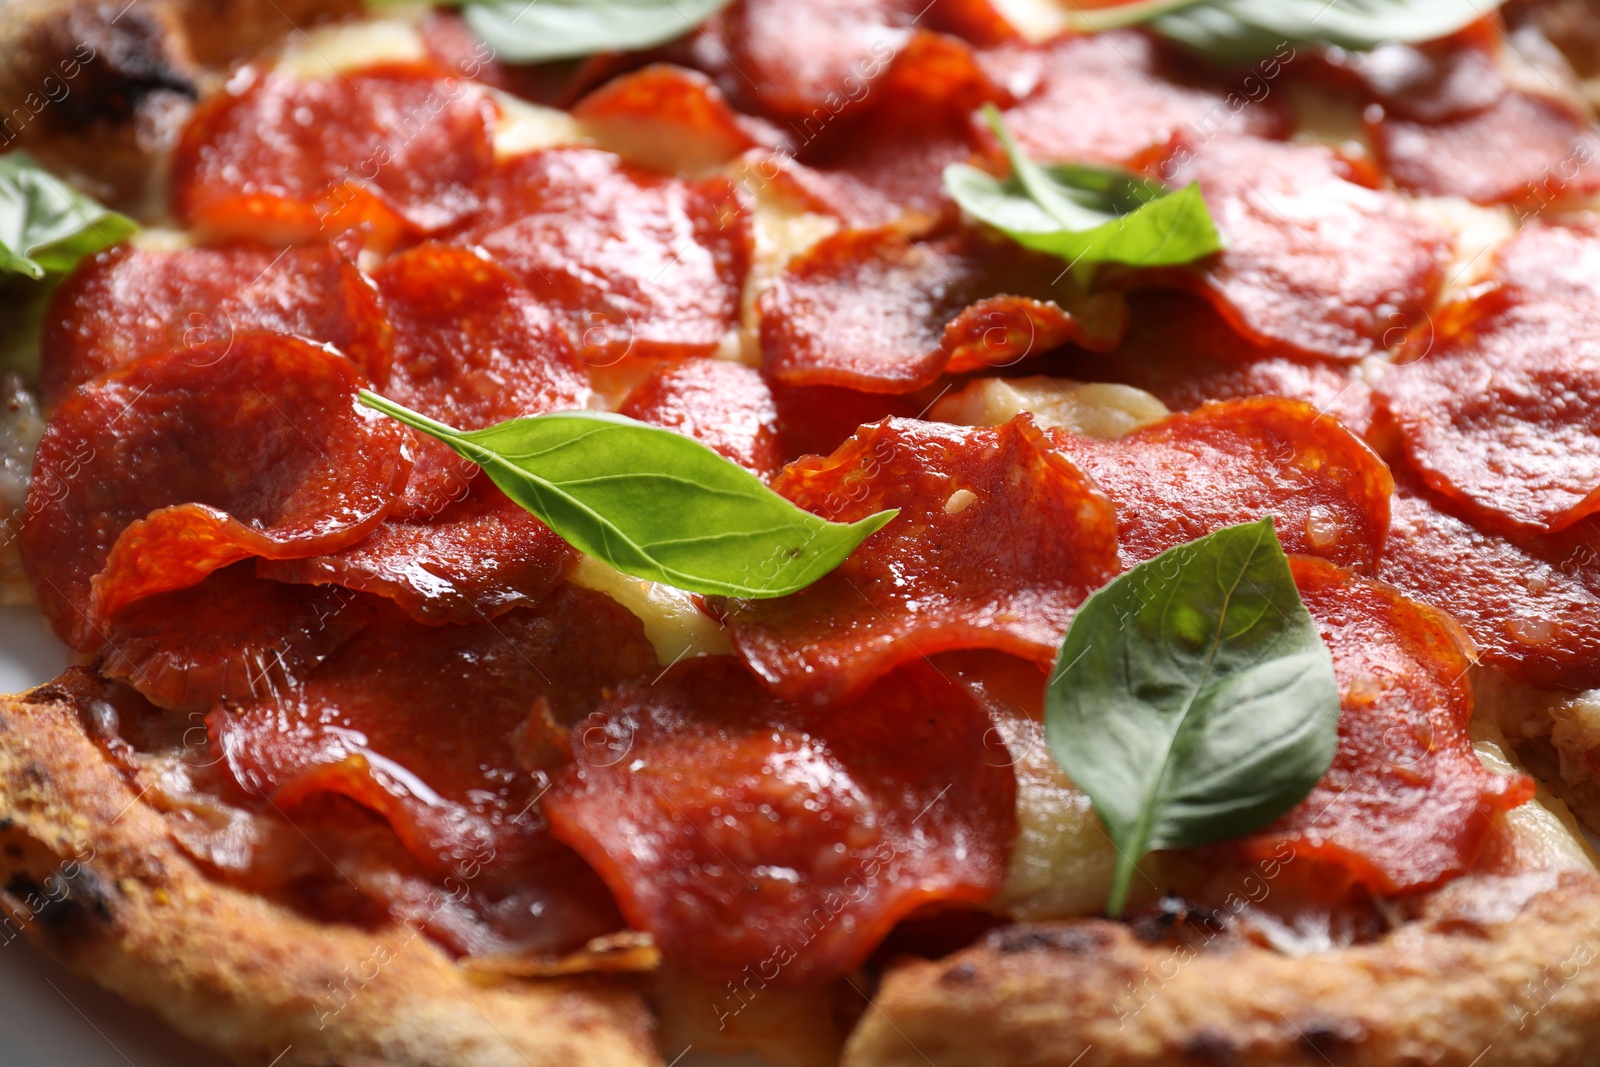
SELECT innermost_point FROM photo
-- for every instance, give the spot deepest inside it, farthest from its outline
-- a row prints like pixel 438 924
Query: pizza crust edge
pixel 90 873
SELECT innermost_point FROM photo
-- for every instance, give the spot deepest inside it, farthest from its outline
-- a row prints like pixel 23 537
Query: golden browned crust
pixel 91 875
pixel 1461 987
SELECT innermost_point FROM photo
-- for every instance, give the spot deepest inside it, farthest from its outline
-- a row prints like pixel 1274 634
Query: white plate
pixel 48 1018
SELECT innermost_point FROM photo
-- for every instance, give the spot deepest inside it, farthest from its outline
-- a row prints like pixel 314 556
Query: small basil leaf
pixel 1241 31
pixel 1194 700
pixel 1085 215
pixel 535 32
pixel 652 503
pixel 46 225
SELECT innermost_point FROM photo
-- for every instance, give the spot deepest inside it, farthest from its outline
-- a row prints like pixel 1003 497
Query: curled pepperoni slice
pixel 472 348
pixel 180 463
pixel 127 302
pixel 233 637
pixel 280 158
pixel 1314 261
pixel 1504 418
pixel 1556 261
pixel 1062 85
pixel 1238 460
pixel 478 558
pixel 998 540
pixel 670 117
pixel 1179 349
pixel 751 835
pixel 423 724
pixel 798 59
pixel 1406 803
pixel 1525 148
pixel 636 263
pixel 887 159
pixel 726 406
pixel 1531 604
pixel 870 310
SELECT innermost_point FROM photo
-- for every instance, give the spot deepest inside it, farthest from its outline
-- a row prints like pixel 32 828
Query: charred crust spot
pixel 75 903
pixel 1069 940
pixel 961 974
pixel 134 61
pixel 1327 1037
pixel 1212 1049
pixel 1175 915
pixel 49 693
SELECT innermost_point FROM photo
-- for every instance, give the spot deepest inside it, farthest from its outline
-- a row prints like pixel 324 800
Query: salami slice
pixel 635 263
pixel 1406 803
pixel 397 147
pixel 1235 461
pixel 472 348
pixel 726 406
pixel 128 302
pixel 748 835
pixel 180 463
pixel 998 540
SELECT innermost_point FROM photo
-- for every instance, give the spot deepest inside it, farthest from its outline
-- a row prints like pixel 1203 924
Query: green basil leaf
pixel 1194 700
pixel 46 225
pixel 652 503
pixel 1241 31
pixel 536 31
pixel 1085 215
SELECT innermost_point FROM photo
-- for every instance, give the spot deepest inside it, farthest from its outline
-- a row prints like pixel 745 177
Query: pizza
pixel 851 532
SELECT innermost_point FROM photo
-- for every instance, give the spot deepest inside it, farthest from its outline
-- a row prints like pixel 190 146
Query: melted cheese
pixel 525 127
pixel 1088 409
pixel 672 618
pixel 327 50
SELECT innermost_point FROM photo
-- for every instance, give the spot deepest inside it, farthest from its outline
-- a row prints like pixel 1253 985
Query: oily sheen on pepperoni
pixel 472 348
pixel 1406 803
pixel 423 725
pixel 1315 260
pixel 1504 418
pixel 232 637
pixel 1554 261
pixel 886 160
pixel 1237 460
pixel 1112 98
pixel 672 115
pixel 635 263
pixel 869 310
pixel 1531 604
pixel 998 540
pixel 745 832
pixel 279 158
pixel 180 463
pixel 127 302
pixel 1525 147
pixel 1181 350
pixel 725 406
pixel 478 558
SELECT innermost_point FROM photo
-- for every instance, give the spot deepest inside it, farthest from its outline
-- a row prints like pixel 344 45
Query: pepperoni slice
pixel 472 348
pixel 1238 460
pixel 1525 148
pixel 127 302
pixel 671 117
pixel 998 540
pixel 813 420
pixel 1314 260
pixel 423 724
pixel 1555 261
pixel 1531 604
pixel 233 637
pixel 886 159
pixel 180 463
pixel 1406 803
pixel 479 558
pixel 1431 82
pixel 726 406
pixel 1179 349
pixel 636 263
pixel 870 310
pixel 1504 418
pixel 748 835
pixel 800 59
pixel 286 159
pixel 1065 88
